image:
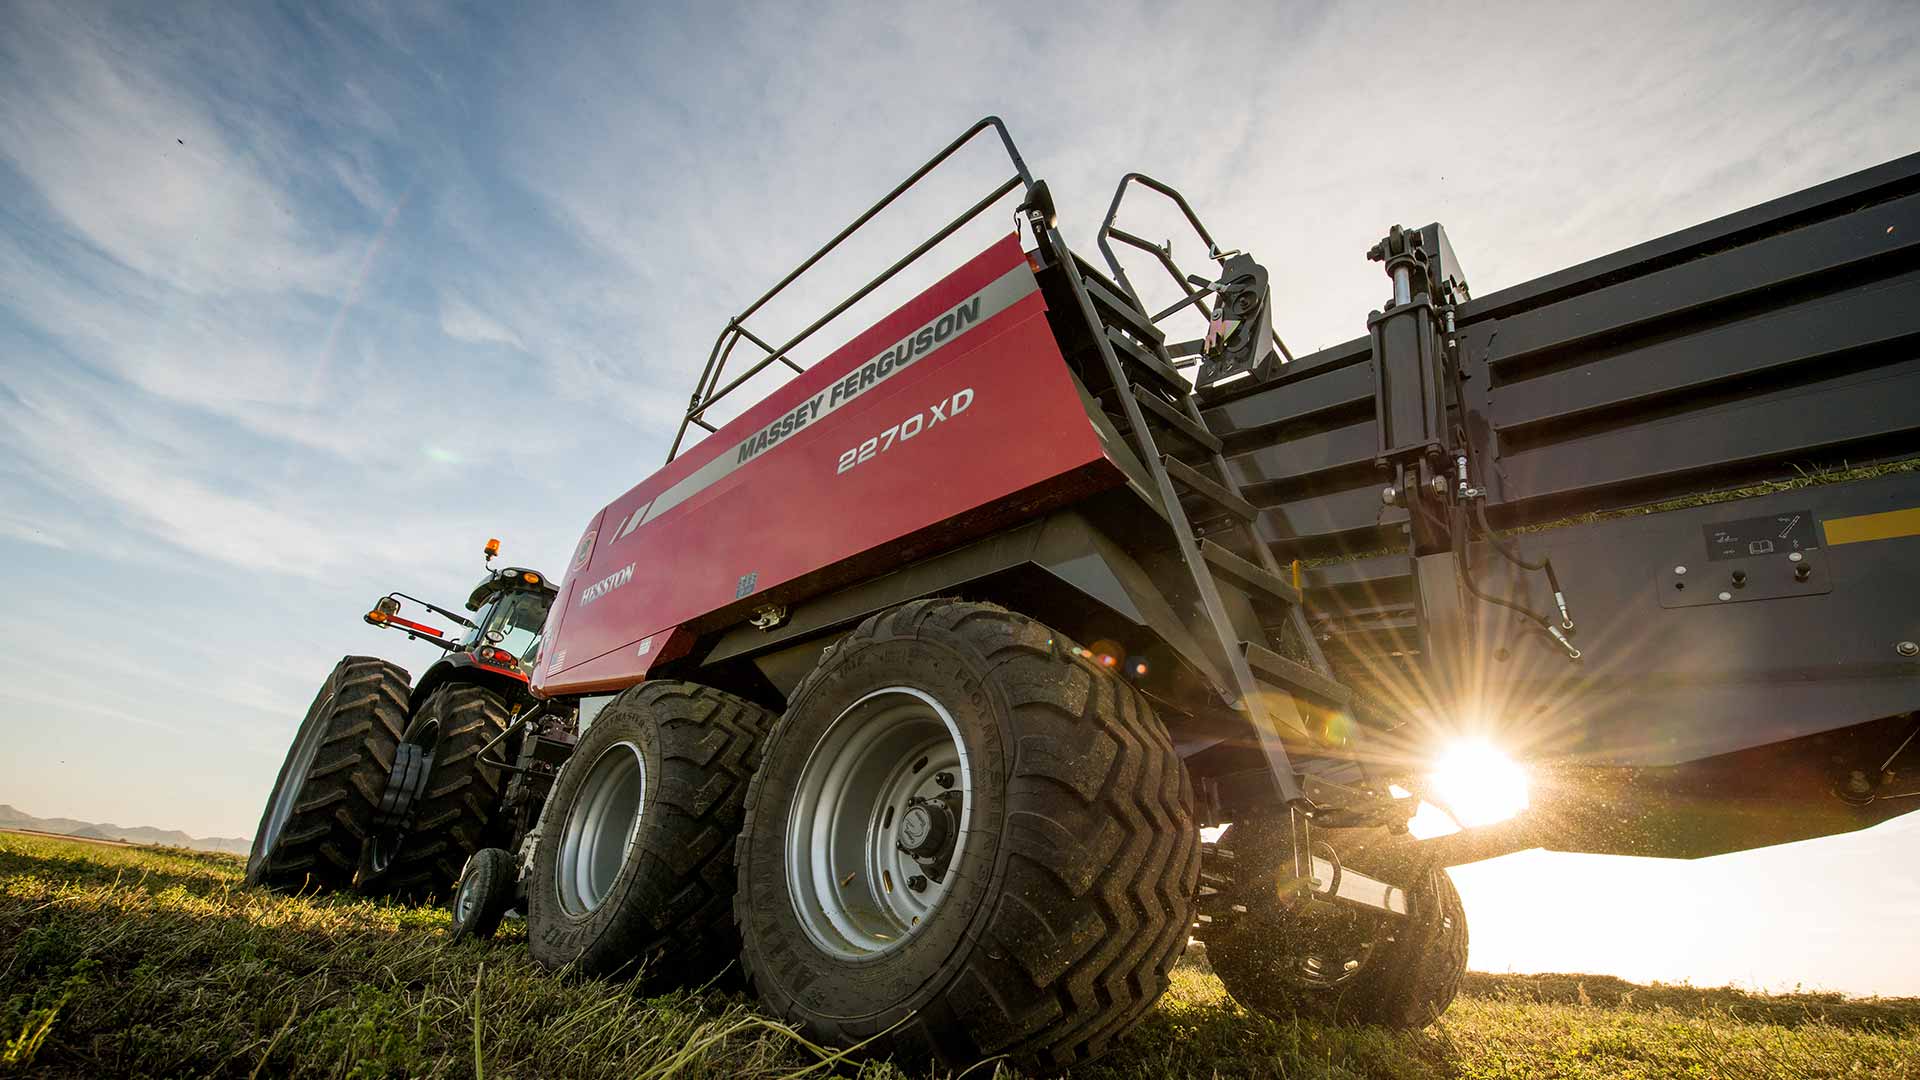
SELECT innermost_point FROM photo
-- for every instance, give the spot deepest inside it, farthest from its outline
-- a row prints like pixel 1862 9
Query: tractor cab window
pixel 518 617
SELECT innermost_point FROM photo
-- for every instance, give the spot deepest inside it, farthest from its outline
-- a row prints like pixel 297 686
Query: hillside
pixel 126 961
pixel 14 818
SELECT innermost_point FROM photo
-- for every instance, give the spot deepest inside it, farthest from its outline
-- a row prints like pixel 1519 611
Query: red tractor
pixel 391 788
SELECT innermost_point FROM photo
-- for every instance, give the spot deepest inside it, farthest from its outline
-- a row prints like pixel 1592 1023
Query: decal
pixel 942 330
pixel 1780 533
pixel 584 550
pixel 906 429
pixel 606 585
pixel 646 646
pixel 1889 525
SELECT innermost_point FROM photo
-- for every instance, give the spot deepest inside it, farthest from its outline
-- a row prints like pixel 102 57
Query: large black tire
pixel 1409 970
pixel 454 814
pixel 321 810
pixel 1071 891
pixel 660 907
pixel 482 895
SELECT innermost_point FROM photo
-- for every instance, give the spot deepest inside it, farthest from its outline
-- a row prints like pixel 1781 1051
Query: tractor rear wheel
pixel 453 814
pixel 1336 964
pixel 322 807
pixel 966 840
pixel 633 871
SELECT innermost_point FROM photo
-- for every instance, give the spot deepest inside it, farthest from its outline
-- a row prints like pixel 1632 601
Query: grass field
pixel 139 961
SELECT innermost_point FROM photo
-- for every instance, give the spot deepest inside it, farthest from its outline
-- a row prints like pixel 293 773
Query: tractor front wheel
pixel 483 894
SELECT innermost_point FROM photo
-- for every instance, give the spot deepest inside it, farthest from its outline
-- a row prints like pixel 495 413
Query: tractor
pixel 392 787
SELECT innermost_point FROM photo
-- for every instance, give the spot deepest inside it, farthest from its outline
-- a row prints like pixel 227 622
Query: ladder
pixel 1156 403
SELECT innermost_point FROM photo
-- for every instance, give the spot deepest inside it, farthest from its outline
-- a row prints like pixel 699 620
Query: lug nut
pixel 944 779
pixel 918 883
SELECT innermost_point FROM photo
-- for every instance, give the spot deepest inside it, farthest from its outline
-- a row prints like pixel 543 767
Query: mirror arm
pixel 435 608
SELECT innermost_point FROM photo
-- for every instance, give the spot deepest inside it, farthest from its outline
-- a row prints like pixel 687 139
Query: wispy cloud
pixel 462 321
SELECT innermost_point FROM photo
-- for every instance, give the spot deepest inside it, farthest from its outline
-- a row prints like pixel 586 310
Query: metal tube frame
pixel 705 396
pixel 1163 252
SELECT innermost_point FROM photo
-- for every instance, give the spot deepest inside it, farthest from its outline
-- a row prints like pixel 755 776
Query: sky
pixel 300 306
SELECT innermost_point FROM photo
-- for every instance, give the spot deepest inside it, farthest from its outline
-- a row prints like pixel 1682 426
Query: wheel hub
pixel 924 829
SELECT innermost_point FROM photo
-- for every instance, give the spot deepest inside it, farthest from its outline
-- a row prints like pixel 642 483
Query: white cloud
pixel 462 321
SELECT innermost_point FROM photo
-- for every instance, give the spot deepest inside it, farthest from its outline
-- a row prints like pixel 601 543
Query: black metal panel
pixel 1778 658
pixel 1680 452
pixel 1759 345
pixel 1835 198
pixel 1817 253
pixel 1818 335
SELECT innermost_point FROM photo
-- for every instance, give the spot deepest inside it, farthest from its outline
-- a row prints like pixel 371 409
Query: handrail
pixel 1163 252
pixel 704 393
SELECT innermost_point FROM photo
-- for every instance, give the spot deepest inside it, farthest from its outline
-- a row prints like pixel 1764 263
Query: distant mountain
pixel 11 818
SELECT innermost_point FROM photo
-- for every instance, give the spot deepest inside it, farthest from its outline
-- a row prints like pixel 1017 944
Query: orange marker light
pixel 532 578
pixel 493 548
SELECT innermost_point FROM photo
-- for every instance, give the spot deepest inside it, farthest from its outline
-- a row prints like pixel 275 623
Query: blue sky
pixel 296 308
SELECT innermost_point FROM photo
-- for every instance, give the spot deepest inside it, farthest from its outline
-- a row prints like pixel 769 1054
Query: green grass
pixel 138 961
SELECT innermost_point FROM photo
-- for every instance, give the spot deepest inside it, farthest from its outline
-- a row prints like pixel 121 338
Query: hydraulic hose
pixel 1513 555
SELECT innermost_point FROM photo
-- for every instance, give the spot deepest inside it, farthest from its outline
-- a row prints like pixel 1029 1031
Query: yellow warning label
pixel 1853 530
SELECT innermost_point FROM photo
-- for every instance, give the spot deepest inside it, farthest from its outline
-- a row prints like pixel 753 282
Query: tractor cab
pixel 510 607
pixel 497 646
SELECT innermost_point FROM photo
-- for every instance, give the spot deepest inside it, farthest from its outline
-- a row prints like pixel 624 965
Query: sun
pixel 1477 784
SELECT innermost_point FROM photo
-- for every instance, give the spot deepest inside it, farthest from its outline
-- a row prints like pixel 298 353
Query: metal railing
pixel 708 391
pixel 1195 297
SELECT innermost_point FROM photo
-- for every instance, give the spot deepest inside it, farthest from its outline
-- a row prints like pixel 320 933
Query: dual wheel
pixel 328 823
pixel 959 841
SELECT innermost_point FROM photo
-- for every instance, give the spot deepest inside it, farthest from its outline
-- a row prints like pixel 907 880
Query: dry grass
pixel 145 962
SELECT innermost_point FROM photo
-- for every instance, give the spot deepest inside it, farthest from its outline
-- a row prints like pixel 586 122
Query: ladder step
pixel 1246 574
pixel 1140 359
pixel 1116 308
pixel 1098 275
pixel 1291 675
pixel 1198 483
pixel 1158 409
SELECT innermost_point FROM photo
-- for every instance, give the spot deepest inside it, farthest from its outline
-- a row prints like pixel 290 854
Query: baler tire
pixel 330 784
pixel 660 910
pixel 482 895
pixel 1068 895
pixel 1408 985
pixel 453 816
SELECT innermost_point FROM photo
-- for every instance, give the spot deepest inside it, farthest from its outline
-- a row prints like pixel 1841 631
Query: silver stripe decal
pixel 1001 294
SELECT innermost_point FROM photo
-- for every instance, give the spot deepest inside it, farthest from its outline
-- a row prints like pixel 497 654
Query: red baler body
pixel 808 489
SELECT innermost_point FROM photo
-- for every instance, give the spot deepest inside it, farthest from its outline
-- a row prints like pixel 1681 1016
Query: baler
pixel 908 692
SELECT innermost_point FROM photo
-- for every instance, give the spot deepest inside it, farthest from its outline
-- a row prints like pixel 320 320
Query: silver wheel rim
pixel 600 828
pixel 850 876
pixel 306 749
pixel 464 900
